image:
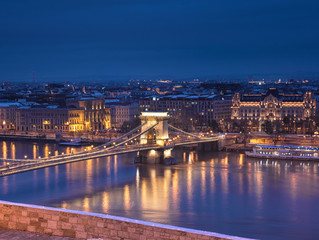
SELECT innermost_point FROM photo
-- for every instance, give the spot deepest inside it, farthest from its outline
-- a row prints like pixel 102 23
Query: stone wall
pixel 76 224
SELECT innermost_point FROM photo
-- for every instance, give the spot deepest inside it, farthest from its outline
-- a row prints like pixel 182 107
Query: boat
pixel 77 142
pixel 285 152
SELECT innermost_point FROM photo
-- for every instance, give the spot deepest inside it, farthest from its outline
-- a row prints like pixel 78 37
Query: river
pixel 219 192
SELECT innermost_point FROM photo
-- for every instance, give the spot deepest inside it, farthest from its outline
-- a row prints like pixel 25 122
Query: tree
pixel 286 122
pixel 130 125
pixel 214 125
pixel 268 127
pixel 235 126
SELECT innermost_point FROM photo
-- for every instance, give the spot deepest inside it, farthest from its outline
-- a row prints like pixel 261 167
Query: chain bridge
pixel 153 141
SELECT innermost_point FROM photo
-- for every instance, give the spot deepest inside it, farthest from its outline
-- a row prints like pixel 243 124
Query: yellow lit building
pixel 76 120
pixel 273 106
pixel 8 115
pixel 96 115
pixel 49 119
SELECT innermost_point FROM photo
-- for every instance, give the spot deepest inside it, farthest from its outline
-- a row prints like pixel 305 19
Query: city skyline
pixel 120 40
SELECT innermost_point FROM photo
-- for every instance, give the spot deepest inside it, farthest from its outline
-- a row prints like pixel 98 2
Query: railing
pixel 110 148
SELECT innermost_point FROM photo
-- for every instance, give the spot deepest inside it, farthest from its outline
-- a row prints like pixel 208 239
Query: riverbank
pixel 51 137
pixel 240 148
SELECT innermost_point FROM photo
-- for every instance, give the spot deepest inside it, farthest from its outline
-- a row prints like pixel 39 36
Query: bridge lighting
pixel 25 156
pixel 155 114
pixel 39 157
pixel 104 146
pixel 49 153
pixel 62 153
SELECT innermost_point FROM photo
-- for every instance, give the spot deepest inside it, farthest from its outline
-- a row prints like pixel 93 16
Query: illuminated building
pixel 273 106
pixel 191 109
pixel 49 119
pixel 83 115
pixel 96 115
pixel 8 115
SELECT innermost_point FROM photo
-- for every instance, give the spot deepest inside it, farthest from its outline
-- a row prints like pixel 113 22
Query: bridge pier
pixel 155 156
pixel 211 146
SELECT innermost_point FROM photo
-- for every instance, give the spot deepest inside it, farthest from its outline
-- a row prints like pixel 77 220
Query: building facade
pixel 57 120
pixel 78 116
pixel 8 115
pixel 191 110
pixel 122 113
pixel 281 109
pixel 96 116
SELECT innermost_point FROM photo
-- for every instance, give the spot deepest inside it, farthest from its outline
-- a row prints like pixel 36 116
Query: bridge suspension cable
pixel 123 136
pixel 141 133
pixel 85 153
pixel 179 130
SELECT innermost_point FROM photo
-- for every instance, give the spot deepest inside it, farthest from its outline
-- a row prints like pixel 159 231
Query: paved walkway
pixel 7 234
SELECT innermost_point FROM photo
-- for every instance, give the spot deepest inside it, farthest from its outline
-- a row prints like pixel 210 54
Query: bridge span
pixel 153 134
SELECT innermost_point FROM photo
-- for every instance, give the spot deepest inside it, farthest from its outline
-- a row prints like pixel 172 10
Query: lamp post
pixel 3 124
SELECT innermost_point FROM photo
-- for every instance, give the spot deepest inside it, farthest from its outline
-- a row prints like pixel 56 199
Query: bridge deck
pixel 33 164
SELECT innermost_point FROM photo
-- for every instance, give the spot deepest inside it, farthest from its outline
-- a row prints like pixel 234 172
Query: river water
pixel 219 192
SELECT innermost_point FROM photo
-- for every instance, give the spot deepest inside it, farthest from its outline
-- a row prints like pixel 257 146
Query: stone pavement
pixel 7 234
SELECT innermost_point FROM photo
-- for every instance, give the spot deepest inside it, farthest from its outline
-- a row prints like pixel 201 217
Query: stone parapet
pixel 83 225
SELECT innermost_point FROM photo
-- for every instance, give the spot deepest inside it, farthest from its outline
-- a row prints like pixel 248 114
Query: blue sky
pixel 123 39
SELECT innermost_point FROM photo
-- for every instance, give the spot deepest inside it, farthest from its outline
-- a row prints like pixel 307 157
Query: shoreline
pixel 51 138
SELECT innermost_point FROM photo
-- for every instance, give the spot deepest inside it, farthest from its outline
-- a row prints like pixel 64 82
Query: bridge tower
pixel 158 134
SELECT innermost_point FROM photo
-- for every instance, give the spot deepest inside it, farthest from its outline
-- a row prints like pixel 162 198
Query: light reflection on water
pixel 33 150
pixel 221 192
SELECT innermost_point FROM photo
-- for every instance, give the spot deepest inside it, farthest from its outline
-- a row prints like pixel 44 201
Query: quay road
pixel 22 165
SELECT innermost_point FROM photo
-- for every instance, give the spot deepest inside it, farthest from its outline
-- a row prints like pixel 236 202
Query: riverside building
pixel 81 115
pixel 96 116
pixel 49 119
pixel 121 113
pixel 281 109
pixel 186 110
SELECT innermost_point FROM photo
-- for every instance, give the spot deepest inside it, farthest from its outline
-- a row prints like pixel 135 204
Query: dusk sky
pixel 123 39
